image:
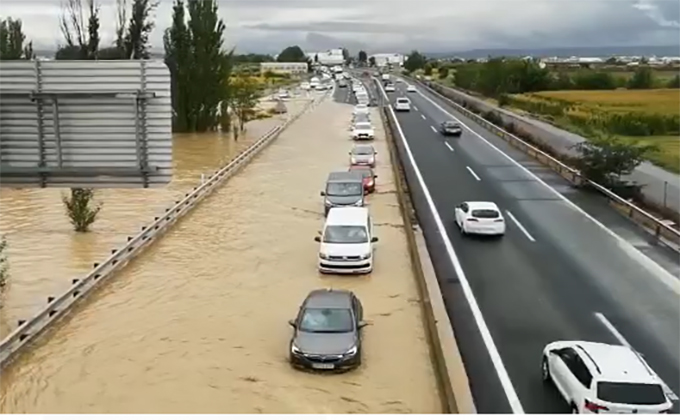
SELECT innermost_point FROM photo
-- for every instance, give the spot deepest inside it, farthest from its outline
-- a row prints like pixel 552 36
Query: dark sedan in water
pixel 327 331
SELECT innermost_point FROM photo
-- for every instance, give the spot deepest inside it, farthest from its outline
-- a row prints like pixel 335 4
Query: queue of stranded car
pixel 327 328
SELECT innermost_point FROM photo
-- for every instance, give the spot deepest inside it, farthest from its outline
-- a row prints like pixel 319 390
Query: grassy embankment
pixel 641 116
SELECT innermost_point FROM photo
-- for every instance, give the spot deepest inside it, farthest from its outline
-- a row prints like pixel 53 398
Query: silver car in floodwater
pixel 327 332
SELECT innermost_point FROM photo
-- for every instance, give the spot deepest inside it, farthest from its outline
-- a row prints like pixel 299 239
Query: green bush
pixel 80 209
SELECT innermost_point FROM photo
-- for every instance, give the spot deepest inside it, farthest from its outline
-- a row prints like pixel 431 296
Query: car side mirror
pixel 374 239
pixel 362 324
pixel 317 238
pixel 291 322
pixel 322 194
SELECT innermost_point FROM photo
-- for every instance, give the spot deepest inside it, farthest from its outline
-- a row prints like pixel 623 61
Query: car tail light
pixel 595 408
pixel 498 220
pixel 472 220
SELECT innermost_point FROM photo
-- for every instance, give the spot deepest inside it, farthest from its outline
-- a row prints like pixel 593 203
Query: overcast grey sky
pixel 397 25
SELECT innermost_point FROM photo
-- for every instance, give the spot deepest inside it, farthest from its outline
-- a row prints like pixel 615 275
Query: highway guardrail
pixel 58 306
pixel 661 229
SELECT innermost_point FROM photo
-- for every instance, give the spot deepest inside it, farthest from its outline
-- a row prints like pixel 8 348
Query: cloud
pixel 398 25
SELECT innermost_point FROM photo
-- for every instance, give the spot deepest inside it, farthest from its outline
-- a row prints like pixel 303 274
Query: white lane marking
pixel 415 108
pixel 433 129
pixel 448 145
pixel 621 339
pixel 422 116
pixel 520 226
pixel 664 276
pixel 494 355
pixel 473 173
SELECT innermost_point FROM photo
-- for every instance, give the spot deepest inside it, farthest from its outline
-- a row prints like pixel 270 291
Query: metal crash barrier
pixel 659 228
pixel 28 330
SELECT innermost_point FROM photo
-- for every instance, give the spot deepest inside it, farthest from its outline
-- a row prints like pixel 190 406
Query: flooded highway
pixel 45 253
pixel 198 324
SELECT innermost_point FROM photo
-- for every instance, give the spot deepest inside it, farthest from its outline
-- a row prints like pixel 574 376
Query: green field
pixel 577 106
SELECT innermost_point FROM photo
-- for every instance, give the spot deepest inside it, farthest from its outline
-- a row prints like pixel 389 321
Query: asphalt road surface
pixel 568 267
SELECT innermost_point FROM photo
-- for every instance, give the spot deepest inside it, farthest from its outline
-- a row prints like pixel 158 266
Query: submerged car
pixel 327 332
pixel 367 175
pixel 451 128
pixel 363 131
pixel 363 154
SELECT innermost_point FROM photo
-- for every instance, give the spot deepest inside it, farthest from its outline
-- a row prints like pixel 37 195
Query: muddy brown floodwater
pixel 45 253
pixel 199 323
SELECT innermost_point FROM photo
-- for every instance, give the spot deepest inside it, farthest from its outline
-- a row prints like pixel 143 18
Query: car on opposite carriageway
pixel 327 332
pixel 604 378
pixel 480 218
pixel 451 128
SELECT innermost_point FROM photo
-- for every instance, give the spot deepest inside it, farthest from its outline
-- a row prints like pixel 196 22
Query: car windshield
pixel 363 126
pixel 402 101
pixel 485 213
pixel 344 189
pixel 630 393
pixel 345 235
pixel 362 151
pixel 336 320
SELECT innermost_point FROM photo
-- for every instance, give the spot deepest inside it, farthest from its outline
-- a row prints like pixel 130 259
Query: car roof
pixel 363 147
pixel 342 176
pixel 482 205
pixel 348 216
pixel 329 299
pixel 614 362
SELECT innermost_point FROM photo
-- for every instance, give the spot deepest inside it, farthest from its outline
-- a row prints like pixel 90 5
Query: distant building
pixel 331 57
pixel 283 68
pixel 382 60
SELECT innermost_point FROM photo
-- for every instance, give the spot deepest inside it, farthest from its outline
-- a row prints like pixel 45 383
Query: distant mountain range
pixel 659 51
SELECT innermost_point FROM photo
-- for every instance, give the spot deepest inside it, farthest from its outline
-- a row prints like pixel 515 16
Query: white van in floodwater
pixel 314 82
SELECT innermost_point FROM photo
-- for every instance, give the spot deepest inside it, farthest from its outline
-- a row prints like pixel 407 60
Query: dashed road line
pixel 473 173
pixel 520 226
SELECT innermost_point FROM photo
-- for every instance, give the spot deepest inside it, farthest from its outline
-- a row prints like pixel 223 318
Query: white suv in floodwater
pixel 604 378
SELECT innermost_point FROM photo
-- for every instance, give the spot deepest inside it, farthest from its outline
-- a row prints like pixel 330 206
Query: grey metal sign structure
pixel 85 124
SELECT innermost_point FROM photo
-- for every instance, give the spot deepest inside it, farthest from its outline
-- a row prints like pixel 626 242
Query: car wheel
pixel 545 370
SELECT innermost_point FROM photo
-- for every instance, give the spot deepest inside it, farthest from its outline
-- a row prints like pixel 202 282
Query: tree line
pixel 507 76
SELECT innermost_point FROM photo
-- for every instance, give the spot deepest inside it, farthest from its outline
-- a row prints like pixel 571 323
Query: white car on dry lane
pixel 480 218
pixel 604 378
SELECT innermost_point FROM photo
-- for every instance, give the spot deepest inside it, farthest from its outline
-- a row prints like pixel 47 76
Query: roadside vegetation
pixel 637 110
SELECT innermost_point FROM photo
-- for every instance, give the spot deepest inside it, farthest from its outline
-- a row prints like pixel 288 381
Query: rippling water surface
pixel 44 251
pixel 199 323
